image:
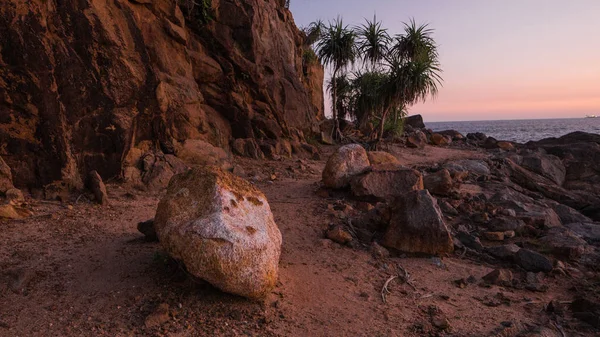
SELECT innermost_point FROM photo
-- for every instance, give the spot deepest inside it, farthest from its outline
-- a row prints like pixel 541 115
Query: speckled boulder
pixel 222 229
pixel 345 163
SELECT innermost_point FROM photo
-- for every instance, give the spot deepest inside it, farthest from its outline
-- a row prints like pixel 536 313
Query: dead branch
pixel 385 291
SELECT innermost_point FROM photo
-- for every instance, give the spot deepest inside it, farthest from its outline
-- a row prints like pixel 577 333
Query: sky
pixel 502 59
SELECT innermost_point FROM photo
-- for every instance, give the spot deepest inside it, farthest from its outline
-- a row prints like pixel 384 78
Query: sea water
pixel 522 130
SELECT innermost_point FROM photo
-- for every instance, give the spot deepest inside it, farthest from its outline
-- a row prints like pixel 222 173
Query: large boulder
pixel 546 165
pixel 6 182
pixel 439 140
pixel 474 166
pixel 417 226
pixel 416 139
pixel 568 215
pixel 345 163
pixel 386 184
pixel 222 229
pixel 96 185
pixel 415 121
pixel 533 261
pixel 196 152
pixel 589 231
pixel 439 183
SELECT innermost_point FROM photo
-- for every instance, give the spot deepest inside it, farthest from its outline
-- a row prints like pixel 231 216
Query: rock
pixel 13 212
pixel 96 185
pixel 158 317
pixel 546 165
pixel 500 277
pixel 455 135
pixel 590 232
pixel 222 229
pixel 568 215
pixel 563 243
pixel 504 252
pixel 533 261
pixel 439 183
pixel 339 235
pixel 469 240
pixel 326 138
pixel 439 140
pixel 247 148
pixel 414 121
pixel 417 226
pixel 507 146
pixel 509 234
pixel 416 140
pixel 477 167
pixel 147 228
pixel 504 223
pixel 6 180
pixel 494 236
pixel 381 158
pixel 379 251
pixel 386 184
pixel 345 163
pixel 587 310
pixel 14 196
pixel 447 208
pixel 196 152
pixel 58 190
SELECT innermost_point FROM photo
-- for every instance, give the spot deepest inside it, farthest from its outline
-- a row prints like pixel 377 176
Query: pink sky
pixel 502 59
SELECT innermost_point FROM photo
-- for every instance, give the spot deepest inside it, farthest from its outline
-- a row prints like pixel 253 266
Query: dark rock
pixel 477 167
pixel 326 138
pixel 504 223
pixel 447 208
pixel 500 277
pixel 417 139
pixel 147 228
pixel 568 215
pixel 14 196
pixel 589 231
pixel 417 226
pixel 439 183
pixel 439 140
pixel 504 252
pixel 347 162
pixel 96 185
pixel 469 240
pixel 415 121
pixel 564 243
pixel 533 261
pixel 477 136
pixel 547 165
pixel 455 135
pixel 6 181
pixel 386 184
pixel 586 310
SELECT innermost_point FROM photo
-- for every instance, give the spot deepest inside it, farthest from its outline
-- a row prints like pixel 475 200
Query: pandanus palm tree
pixel 337 48
pixel 373 42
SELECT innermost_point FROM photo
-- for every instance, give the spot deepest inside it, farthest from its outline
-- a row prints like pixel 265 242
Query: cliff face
pixel 93 84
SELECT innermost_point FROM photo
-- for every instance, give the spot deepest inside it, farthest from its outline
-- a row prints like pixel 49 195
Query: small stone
pixel 158 317
pixel 14 195
pixel 469 240
pixel 481 217
pixel 533 261
pixel 509 234
pixel 379 251
pixel 494 236
pixel 96 185
pixel 508 212
pixel 364 206
pixel 339 235
pixel 501 277
pixel 147 228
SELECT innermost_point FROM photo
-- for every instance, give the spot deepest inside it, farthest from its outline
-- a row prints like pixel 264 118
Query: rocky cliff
pixel 96 84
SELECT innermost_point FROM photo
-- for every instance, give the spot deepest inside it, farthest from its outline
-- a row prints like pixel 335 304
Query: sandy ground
pixel 83 270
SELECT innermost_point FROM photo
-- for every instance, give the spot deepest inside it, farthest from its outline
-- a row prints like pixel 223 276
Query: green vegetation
pixel 396 71
pixel 199 12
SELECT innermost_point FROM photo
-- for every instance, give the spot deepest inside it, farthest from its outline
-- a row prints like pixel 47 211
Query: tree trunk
pixel 382 125
pixel 335 133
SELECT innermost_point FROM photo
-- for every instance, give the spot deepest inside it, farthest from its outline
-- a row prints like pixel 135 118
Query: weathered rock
pixel 6 182
pixel 439 140
pixel 568 215
pixel 563 243
pixel 222 228
pixel 14 196
pixel 477 136
pixel 447 208
pixel 195 152
pixel 414 121
pixel 386 184
pixel 500 277
pixel 13 212
pixel 469 240
pixel 455 135
pixel 439 183
pixel 326 138
pixel 503 223
pixel 96 185
pixel 247 148
pixel 417 139
pixel 158 317
pixel 504 252
pixel 339 235
pixel 477 167
pixel 417 226
pixel 547 165
pixel 533 261
pixel 507 146
pixel 589 231
pixel 494 236
pixel 382 158
pixel 147 228
pixel 347 162
pixel 126 73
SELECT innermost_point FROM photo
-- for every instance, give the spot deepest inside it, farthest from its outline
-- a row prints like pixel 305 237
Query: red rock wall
pixel 82 83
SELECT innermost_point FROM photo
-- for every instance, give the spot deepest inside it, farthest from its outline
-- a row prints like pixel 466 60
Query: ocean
pixel 522 130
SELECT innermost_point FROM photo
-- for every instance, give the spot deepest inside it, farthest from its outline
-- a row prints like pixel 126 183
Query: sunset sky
pixel 502 59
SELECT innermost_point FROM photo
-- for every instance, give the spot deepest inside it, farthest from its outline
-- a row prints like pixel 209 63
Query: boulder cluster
pixel 533 207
